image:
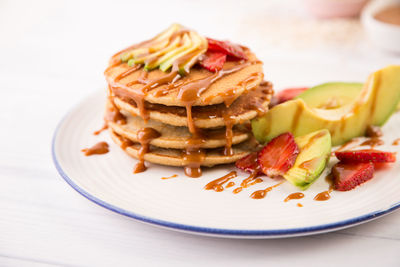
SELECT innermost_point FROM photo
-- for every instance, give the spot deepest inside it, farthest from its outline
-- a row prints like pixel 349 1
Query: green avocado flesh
pixel 374 105
pixel 173 46
pixel 315 150
pixel 331 95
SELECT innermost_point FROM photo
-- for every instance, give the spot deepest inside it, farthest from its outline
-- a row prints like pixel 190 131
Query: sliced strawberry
pixel 346 176
pixel 289 94
pixel 226 48
pixel 365 155
pixel 248 163
pixel 213 61
pixel 279 155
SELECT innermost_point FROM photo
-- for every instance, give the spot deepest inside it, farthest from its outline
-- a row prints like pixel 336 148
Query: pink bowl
pixel 335 8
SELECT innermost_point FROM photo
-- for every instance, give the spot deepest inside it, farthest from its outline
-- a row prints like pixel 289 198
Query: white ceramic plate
pixel 182 204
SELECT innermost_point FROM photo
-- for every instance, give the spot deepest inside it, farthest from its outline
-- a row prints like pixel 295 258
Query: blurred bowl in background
pixel 383 34
pixel 335 8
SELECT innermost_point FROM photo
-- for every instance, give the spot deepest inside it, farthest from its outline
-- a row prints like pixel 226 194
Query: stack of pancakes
pixel 199 119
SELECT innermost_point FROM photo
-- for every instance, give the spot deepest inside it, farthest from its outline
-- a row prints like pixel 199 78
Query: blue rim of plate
pixel 291 232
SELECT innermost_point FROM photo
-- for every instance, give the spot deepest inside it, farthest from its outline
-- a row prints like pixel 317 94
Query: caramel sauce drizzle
pixel 116 57
pixel 191 91
pixel 312 140
pixel 252 179
pixel 373 142
pixel 348 144
pixel 309 164
pixel 112 113
pixel 99 148
pixel 237 190
pixel 188 93
pixel 296 119
pixel 259 194
pixel 104 127
pixel 325 195
pixel 144 135
pixel 228 151
pixel 136 94
pixel 230 184
pixel 194 155
pixel 373 131
pixel 299 205
pixel 127 72
pixel 396 142
pixel 217 184
pixel 229 96
pixel 297 195
pixel 169 177
pixel 125 142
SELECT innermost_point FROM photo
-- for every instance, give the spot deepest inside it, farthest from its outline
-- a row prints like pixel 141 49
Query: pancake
pixel 175 157
pixel 239 77
pixel 245 108
pixel 182 99
pixel 176 137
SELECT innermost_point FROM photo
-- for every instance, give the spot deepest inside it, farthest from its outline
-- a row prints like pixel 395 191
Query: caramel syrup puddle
pixel 169 177
pixel 230 184
pixel 299 205
pixel 217 184
pixel 237 190
pixel 99 148
pixel 396 142
pixel 325 195
pixel 259 194
pixel 297 195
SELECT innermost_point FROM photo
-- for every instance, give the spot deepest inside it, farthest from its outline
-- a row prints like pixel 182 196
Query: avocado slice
pixel 156 43
pixel 151 64
pixel 331 95
pixel 195 54
pixel 374 105
pixel 194 43
pixel 315 149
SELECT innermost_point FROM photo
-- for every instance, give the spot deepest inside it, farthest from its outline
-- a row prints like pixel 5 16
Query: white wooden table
pixel 52 54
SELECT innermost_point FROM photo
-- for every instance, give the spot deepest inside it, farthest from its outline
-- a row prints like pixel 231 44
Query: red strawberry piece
pixel 226 48
pixel 248 163
pixel 365 155
pixel 213 61
pixel 346 176
pixel 289 94
pixel 279 155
